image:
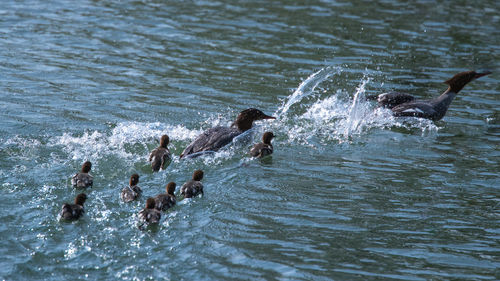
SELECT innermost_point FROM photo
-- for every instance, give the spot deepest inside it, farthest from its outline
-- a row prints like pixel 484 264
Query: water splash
pixel 356 112
pixel 340 117
pixel 307 87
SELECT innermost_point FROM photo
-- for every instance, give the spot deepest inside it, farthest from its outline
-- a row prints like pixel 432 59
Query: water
pixel 350 193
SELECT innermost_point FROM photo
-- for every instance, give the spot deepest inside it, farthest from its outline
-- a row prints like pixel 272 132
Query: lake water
pixel 350 192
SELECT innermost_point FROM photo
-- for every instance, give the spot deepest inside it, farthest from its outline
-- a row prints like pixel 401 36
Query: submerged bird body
pixel 73 211
pixel 131 192
pixel 215 138
pixel 435 109
pixel 149 215
pixel 166 200
pixel 160 156
pixel 264 148
pixel 83 179
pixel 193 187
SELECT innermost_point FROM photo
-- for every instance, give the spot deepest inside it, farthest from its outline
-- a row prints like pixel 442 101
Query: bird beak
pixel 268 117
pixel 481 74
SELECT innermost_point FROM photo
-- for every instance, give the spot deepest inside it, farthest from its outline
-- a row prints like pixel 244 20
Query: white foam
pixel 96 144
pixel 21 142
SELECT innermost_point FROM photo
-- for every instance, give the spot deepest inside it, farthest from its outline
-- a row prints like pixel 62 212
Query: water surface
pixel 350 193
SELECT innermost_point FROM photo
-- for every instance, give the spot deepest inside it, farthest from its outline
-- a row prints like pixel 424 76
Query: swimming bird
pixel 131 192
pixel 73 211
pixel 215 138
pixel 194 186
pixel 403 104
pixel 160 157
pixel 263 148
pixel 149 214
pixel 166 200
pixel 83 179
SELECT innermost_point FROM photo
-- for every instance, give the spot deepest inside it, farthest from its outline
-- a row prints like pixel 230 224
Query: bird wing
pixel 255 151
pixel 161 202
pixel 198 186
pixel 165 157
pixel 127 195
pixel 82 180
pixel 414 109
pixel 261 150
pixel 159 157
pixel 211 140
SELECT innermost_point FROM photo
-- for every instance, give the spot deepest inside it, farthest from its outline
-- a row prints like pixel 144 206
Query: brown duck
pixel 215 138
pixel 160 157
pixel 83 179
pixel 263 148
pixel 74 211
pixel 131 192
pixel 166 200
pixel 193 187
pixel 149 215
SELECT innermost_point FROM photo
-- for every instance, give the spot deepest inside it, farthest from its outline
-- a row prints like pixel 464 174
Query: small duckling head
pixel 164 141
pixel 267 137
pixel 171 188
pixel 134 179
pixel 80 199
pixel 150 203
pixel 86 167
pixel 198 175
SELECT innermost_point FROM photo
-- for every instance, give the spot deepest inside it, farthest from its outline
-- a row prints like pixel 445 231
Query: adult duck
pixel 403 104
pixel 215 138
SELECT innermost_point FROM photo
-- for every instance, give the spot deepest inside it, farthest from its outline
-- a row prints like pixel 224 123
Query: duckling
pixel 149 214
pixel 131 192
pixel 194 186
pixel 73 211
pixel 160 157
pixel 263 148
pixel 166 200
pixel 83 179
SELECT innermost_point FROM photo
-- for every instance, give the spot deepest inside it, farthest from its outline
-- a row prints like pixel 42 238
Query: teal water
pixel 350 193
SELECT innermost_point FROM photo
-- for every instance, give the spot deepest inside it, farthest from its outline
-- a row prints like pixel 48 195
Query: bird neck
pixel 445 98
pixel 242 124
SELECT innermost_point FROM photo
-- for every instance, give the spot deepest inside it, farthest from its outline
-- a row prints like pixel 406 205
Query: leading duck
pixel 215 138
pixel 403 104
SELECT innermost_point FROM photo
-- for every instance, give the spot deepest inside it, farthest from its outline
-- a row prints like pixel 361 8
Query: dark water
pixel 349 194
